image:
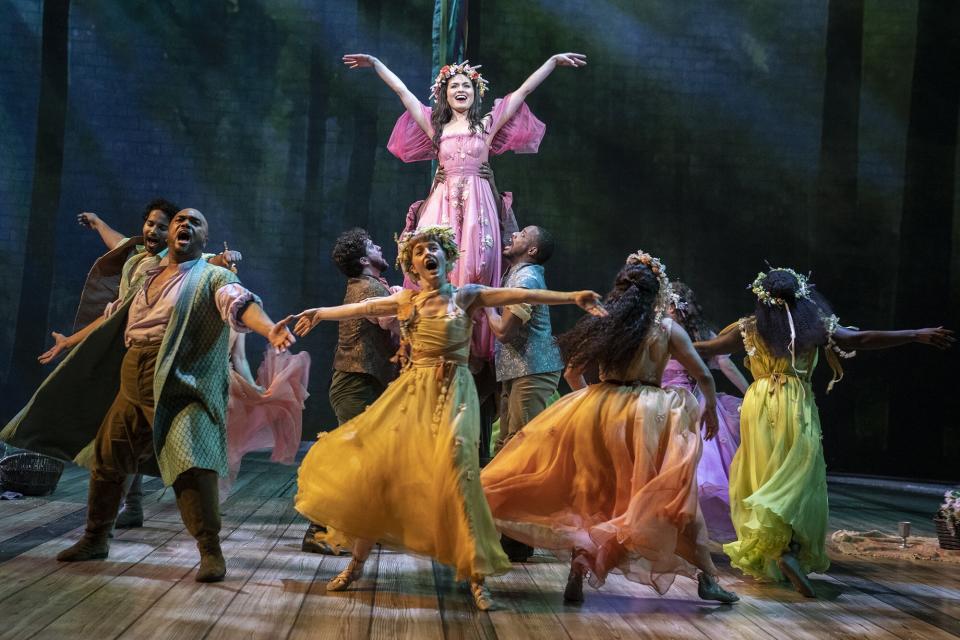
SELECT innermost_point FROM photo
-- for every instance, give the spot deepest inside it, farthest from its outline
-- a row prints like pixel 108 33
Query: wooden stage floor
pixel 146 588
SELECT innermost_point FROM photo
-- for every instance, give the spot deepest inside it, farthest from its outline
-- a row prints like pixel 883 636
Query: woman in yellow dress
pixel 406 471
pixel 778 484
pixel 610 471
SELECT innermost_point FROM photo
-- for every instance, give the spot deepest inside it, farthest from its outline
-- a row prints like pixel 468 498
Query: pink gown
pixel 465 201
pixel 713 470
pixel 269 417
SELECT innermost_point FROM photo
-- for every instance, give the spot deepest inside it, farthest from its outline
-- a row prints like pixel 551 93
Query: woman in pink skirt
pixel 458 135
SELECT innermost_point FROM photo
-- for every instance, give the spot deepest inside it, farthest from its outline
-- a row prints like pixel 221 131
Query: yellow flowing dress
pixel 406 471
pixel 610 470
pixel 778 481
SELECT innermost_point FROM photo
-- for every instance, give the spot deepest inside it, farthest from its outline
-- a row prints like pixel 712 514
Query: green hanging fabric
pixel 449 32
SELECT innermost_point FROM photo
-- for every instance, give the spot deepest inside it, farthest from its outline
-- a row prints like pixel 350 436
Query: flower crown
pixel 443 235
pixel 665 296
pixel 803 287
pixel 678 303
pixel 450 70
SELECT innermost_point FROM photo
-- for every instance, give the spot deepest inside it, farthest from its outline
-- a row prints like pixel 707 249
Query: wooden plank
pixel 344 614
pixel 405 603
pixel 268 604
pixel 619 609
pixel 189 609
pixel 460 617
pixel 524 613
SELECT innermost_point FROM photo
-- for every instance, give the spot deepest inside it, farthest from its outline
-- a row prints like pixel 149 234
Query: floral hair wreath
pixel 665 296
pixel 803 287
pixel 450 70
pixel 443 235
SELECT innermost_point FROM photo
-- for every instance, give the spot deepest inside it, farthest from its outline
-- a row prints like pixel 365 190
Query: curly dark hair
pixel 690 316
pixel 613 341
pixel 350 247
pixel 442 112
pixel 808 315
pixel 162 205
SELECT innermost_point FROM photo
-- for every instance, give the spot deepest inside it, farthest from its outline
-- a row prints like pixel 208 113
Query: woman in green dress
pixel 778 485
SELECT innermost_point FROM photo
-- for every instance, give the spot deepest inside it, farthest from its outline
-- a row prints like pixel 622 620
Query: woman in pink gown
pixel 713 470
pixel 461 137
pixel 266 412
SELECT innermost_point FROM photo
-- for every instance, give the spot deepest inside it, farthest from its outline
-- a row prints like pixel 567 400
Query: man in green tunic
pixel 164 345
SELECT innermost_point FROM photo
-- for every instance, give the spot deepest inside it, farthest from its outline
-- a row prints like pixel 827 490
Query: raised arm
pixel 727 342
pixel 65 343
pixel 478 296
pixel 410 102
pixel 517 97
pixel 110 237
pixel 852 339
pixel 682 350
pixel 307 319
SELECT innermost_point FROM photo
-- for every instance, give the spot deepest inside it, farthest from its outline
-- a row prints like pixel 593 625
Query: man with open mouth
pixel 110 278
pixel 165 347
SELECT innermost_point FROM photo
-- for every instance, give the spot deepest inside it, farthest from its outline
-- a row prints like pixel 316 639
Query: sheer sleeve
pixel 408 141
pixel 521 134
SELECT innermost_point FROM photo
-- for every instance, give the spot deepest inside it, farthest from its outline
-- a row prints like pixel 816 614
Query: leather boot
pixel 131 515
pixel 198 500
pixel 103 500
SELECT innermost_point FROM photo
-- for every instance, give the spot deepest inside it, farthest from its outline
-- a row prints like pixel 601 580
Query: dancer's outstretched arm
pixel 853 339
pixel 276 333
pixel 724 344
pixel 410 102
pixel 473 297
pixel 110 237
pixel 681 348
pixel 516 98
pixel 307 319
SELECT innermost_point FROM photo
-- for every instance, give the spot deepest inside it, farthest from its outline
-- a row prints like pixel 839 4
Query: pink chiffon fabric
pixel 270 417
pixel 713 472
pixel 465 201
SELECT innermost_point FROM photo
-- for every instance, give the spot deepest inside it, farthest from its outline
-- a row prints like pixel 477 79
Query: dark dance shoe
pixel 791 569
pixel 346 577
pixel 310 543
pixel 213 568
pixel 481 596
pixel 129 518
pixel 573 594
pixel 708 588
pixel 86 548
pixel 516 551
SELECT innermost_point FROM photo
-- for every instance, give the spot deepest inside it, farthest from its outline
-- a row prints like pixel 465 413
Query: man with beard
pixel 111 277
pixel 527 359
pixel 361 364
pixel 164 345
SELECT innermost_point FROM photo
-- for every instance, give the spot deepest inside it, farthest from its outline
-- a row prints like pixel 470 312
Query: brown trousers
pixel 521 400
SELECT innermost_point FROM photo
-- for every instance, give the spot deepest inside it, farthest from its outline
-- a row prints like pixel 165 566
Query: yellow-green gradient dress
pixel 778 481
pixel 406 472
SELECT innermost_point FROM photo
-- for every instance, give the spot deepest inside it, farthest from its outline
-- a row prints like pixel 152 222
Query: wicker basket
pixel 31 474
pixel 949 538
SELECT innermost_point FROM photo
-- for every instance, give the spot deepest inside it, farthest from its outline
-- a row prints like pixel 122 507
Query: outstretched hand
pixel 574 60
pixel 709 422
pixel 88 220
pixel 358 60
pixel 589 301
pixel 936 337
pixel 280 337
pixel 59 346
pixel 303 322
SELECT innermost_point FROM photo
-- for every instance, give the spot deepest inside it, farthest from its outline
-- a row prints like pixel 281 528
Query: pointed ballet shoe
pixel 573 594
pixel 708 588
pixel 482 597
pixel 791 569
pixel 86 548
pixel 343 579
